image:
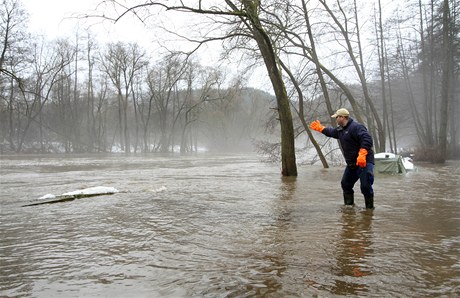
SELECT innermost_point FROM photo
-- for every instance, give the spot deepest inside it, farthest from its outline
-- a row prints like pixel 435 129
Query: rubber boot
pixel 348 198
pixel 369 202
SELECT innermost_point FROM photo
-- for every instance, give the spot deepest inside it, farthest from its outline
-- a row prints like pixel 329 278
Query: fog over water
pixel 210 225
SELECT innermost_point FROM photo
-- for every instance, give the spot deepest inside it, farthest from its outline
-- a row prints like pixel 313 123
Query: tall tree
pixel 164 83
pixel 13 52
pixel 356 57
pixel 48 64
pixel 447 49
pixel 249 25
pixel 431 63
pixel 122 62
pixel 264 42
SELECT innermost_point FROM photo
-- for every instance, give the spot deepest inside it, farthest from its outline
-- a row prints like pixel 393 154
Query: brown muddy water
pixel 223 226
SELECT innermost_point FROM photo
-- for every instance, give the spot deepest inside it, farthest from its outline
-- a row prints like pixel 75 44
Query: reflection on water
pixel 223 226
pixel 354 249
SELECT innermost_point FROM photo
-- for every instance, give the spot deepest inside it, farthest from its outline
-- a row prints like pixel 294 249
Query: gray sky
pixel 59 18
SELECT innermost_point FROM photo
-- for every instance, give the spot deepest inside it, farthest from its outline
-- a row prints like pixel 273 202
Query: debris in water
pixel 77 194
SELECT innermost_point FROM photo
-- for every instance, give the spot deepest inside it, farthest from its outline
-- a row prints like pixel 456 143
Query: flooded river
pixel 223 226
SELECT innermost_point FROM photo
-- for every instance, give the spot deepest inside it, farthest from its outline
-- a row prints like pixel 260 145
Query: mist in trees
pixel 394 65
pixel 75 95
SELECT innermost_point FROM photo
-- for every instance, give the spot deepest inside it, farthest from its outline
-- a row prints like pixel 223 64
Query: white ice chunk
pixel 97 190
pixel 47 197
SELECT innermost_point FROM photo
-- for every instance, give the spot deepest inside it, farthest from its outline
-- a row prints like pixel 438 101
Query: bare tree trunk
pixel 288 160
pixel 381 54
pixel 410 96
pixel 136 97
pixel 444 115
pixel 427 90
pixel 455 90
pixel 11 124
pixel 100 119
pixel 120 119
pixel 126 122
pixel 76 129
pixel 314 55
pixel 359 67
pixel 91 119
pixel 391 122
pixel 301 113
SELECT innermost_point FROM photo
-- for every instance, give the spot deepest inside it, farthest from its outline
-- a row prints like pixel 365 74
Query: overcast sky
pixel 60 18
pixel 49 16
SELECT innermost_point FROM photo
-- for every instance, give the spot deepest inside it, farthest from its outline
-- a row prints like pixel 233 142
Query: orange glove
pixel 361 161
pixel 316 125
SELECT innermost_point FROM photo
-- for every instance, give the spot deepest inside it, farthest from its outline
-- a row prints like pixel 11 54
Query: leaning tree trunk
pixel 288 159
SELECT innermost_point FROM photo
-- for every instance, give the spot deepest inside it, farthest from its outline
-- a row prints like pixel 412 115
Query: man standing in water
pixel 356 143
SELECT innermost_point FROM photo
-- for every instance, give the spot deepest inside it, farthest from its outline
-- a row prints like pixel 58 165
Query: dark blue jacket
pixel 352 137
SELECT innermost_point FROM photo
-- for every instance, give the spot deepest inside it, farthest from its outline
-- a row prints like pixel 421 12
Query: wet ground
pixel 223 226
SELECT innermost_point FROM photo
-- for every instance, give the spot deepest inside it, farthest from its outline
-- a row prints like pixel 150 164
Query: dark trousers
pixel 354 173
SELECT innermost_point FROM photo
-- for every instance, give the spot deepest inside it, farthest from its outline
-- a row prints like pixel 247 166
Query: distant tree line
pixel 80 96
pixel 397 70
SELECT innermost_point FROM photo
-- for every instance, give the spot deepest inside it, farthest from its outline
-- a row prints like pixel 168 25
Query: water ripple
pixel 223 226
